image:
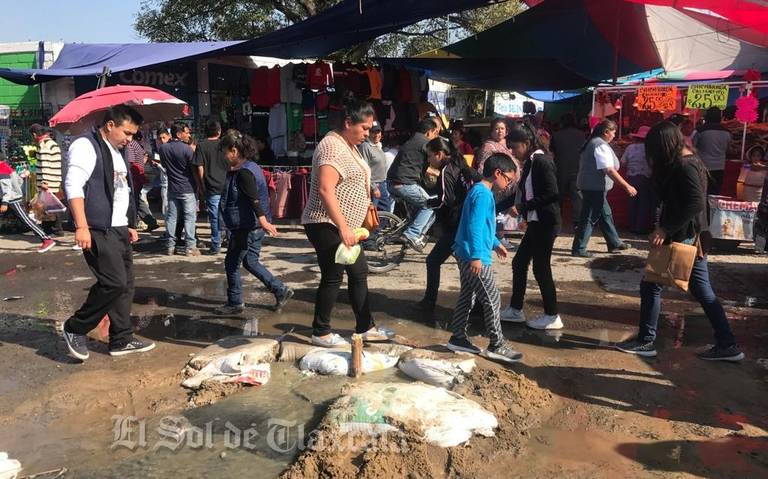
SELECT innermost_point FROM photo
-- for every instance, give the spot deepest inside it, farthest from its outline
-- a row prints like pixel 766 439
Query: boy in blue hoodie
pixel 475 241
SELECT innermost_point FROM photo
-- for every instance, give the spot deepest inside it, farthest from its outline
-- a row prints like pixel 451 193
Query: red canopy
pixel 743 19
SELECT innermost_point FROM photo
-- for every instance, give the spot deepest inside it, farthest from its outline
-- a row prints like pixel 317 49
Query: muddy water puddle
pixel 257 432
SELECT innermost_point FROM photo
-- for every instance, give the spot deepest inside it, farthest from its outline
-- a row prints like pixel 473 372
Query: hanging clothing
pixel 282 190
pixel 265 87
pixel 405 87
pixel 376 82
pixel 278 130
pixel 320 75
pixel 289 92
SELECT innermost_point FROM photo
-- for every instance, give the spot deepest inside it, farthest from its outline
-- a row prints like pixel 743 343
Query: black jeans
pixel 440 253
pixel 143 211
pixel 111 260
pixel 325 238
pixel 536 245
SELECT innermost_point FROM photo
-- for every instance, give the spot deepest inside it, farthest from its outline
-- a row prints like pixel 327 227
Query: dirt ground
pixel 573 408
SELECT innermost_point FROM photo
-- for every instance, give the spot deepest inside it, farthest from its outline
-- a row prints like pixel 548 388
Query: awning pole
pixel 103 78
pixel 743 141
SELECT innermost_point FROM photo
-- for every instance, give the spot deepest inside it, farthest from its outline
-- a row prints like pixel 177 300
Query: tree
pixel 201 20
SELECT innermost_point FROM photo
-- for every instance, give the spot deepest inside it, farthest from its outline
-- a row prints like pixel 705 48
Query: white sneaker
pixel 512 315
pixel 377 334
pixel 546 322
pixel 332 341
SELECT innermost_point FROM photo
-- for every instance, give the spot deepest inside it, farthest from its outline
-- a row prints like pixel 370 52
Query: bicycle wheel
pixel 383 250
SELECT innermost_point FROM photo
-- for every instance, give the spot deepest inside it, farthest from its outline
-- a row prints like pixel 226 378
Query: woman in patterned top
pixel 339 197
pixel 496 143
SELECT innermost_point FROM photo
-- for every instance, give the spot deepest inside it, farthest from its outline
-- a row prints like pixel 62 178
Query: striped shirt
pixel 49 164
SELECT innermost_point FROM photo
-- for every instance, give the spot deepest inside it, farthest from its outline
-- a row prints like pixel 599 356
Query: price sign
pixel 706 96
pixel 657 98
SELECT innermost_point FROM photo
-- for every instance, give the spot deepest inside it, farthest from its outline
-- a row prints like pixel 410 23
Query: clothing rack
pixel 285 166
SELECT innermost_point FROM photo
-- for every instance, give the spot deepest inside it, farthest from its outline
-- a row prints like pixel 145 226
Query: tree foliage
pixel 201 20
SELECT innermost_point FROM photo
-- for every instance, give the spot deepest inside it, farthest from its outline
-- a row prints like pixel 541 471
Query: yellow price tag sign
pixel 707 96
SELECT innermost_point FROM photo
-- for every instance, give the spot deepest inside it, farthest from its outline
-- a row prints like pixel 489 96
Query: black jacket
pixel 455 181
pixel 410 161
pixel 683 195
pixel 546 199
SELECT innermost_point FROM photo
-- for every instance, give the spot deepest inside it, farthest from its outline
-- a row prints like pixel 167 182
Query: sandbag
pixel 438 369
pixel 337 361
pixel 442 417
pixel 258 349
pixel 236 367
pixel 9 468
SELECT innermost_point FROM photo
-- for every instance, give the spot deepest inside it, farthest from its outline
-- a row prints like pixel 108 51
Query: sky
pixel 87 21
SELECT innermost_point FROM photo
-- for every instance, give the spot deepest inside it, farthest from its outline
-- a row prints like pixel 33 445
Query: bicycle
pixel 385 249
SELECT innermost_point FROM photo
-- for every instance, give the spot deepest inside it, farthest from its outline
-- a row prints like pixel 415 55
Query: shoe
pixel 47 244
pixel 214 251
pixel 229 309
pixel 581 254
pixel 377 335
pixel 77 248
pixel 283 298
pixel 192 252
pixel 151 227
pixel 135 345
pixel 462 345
pixel 512 315
pixel 417 245
pixel 633 346
pixel 546 321
pixel 170 251
pixel 716 353
pixel 621 247
pixel 76 343
pixel 502 353
pixel 424 306
pixel 332 341
pixel 507 244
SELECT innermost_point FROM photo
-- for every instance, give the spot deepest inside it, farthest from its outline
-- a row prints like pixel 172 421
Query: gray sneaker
pixel 135 345
pixel 502 353
pixel 640 348
pixel 282 299
pixel 715 353
pixel 76 343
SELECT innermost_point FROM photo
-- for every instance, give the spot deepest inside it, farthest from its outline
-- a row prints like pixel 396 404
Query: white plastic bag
pixel 236 367
pixel 336 362
pixel 444 418
pixel 346 255
pixel 9 468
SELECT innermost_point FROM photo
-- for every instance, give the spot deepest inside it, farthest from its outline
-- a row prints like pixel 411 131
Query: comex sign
pixel 150 78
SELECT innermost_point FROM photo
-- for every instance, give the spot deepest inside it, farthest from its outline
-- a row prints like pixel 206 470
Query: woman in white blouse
pixel 598 170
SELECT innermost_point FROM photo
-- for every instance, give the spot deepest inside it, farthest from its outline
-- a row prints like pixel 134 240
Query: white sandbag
pixel 444 418
pixel 337 361
pixel 258 349
pixel 236 367
pixel 9 468
pixel 443 369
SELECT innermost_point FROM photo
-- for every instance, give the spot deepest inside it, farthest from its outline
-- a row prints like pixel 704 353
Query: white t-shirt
pixel 605 157
pixel 532 215
pixel 82 161
pixel 634 158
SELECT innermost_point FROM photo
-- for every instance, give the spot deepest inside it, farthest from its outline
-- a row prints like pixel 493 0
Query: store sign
pixel 506 104
pixel 657 98
pixel 707 96
pixel 153 78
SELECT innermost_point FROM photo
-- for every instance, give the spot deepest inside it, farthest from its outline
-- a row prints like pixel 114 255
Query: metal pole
pixel 103 78
pixel 743 141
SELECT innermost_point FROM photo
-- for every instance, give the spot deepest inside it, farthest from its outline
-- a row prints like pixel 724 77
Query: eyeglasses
pixel 509 180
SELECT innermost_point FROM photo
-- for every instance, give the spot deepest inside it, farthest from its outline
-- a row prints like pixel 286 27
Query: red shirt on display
pixel 320 75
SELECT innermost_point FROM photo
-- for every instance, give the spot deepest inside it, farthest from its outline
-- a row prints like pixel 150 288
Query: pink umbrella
pixel 87 110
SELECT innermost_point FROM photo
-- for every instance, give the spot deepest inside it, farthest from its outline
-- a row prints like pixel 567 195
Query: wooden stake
pixel 356 368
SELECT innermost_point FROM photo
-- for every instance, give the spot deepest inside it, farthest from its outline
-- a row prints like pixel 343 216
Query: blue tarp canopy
pixel 344 25
pixel 555 45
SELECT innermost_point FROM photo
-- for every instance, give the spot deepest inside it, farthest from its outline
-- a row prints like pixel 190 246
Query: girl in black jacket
pixel 680 179
pixel 456 177
pixel 538 204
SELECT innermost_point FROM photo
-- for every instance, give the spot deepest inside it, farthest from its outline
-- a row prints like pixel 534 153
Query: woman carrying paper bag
pixel 680 180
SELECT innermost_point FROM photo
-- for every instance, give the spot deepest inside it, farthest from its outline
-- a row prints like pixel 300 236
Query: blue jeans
pixel 414 195
pixel 594 209
pixel 212 202
pixel 187 203
pixel 700 288
pixel 245 248
pixel 385 202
